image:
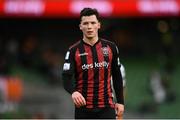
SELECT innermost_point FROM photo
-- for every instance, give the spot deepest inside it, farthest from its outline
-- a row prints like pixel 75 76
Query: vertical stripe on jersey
pixel 90 81
pixel 85 72
pixel 96 76
pixel 106 58
pixel 79 83
pixel 101 77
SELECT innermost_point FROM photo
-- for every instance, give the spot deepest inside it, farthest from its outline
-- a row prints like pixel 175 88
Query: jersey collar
pixel 89 44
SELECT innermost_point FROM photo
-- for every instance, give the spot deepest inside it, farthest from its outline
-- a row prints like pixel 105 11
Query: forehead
pixel 91 18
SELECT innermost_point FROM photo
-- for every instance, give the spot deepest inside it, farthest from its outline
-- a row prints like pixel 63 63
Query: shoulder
pixel 111 44
pixel 75 45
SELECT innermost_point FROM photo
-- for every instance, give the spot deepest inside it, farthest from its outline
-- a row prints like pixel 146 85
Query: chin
pixel 89 37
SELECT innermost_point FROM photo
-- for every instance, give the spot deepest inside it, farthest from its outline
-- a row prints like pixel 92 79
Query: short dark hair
pixel 89 12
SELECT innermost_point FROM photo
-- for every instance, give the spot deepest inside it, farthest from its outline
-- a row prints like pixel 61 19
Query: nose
pixel 89 26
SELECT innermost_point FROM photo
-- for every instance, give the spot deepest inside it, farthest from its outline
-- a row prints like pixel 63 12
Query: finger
pixel 79 101
pixel 120 114
pixel 83 100
pixel 117 111
pixel 76 101
pixel 77 105
pixel 120 117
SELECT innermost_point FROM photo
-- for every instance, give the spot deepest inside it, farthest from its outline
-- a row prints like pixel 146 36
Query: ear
pixel 80 27
pixel 99 25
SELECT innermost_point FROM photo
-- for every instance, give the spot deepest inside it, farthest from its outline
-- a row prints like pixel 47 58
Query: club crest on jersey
pixel 105 51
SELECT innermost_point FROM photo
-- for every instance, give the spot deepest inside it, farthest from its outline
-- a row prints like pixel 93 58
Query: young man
pixel 92 61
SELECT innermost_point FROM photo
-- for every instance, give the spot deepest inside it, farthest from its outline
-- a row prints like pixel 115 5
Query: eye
pixel 93 23
pixel 85 23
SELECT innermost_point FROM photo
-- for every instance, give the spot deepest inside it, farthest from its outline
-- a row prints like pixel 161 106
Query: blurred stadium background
pixel 35 34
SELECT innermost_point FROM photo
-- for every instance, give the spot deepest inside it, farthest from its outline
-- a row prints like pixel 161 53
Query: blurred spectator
pixel 4 66
pixel 157 88
pixel 12 48
pixel 123 73
pixel 159 91
pixel 167 57
pixel 50 65
pixel 28 52
pixel 161 87
pixel 11 89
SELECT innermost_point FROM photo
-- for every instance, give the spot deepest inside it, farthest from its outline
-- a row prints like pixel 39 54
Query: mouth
pixel 89 32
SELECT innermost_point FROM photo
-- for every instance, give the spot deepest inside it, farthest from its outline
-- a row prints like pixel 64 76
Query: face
pixel 89 26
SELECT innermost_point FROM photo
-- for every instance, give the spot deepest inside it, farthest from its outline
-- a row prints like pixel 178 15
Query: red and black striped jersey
pixel 92 68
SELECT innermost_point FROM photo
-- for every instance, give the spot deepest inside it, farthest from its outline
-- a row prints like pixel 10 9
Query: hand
pixel 119 110
pixel 78 99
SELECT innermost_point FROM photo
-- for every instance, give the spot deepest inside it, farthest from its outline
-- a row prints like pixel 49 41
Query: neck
pixel 90 41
